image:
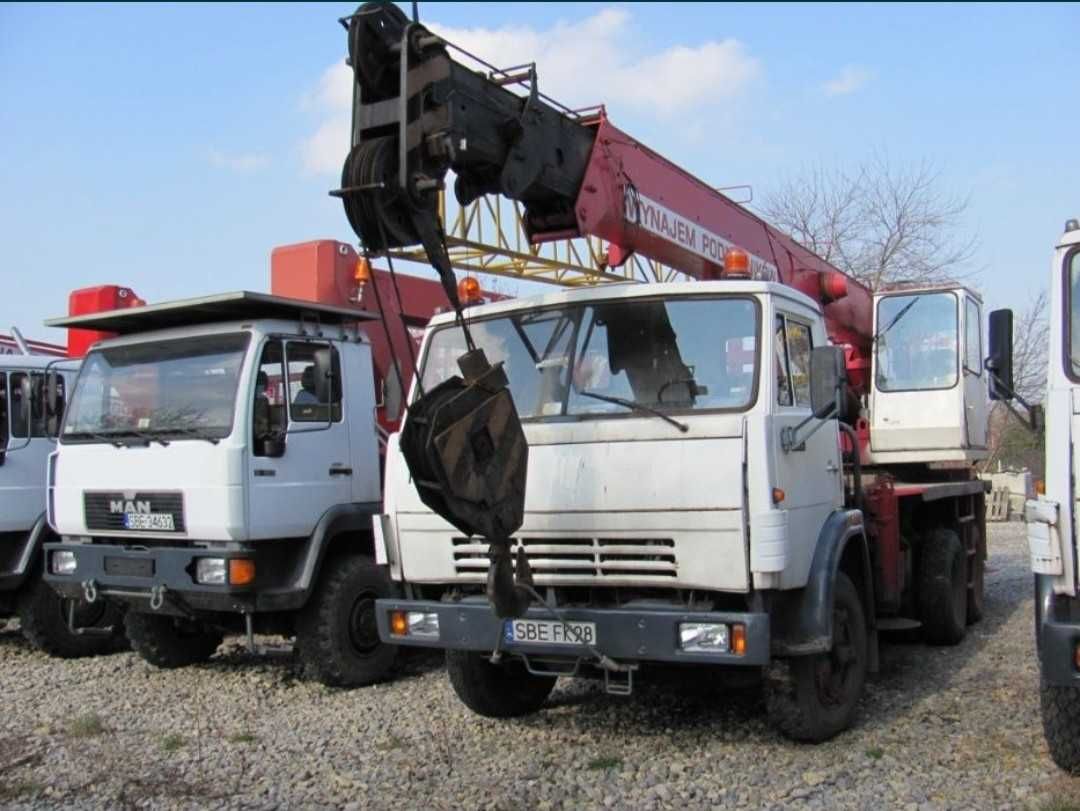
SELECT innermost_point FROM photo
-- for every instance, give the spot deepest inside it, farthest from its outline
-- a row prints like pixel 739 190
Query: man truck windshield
pixel 678 355
pixel 184 388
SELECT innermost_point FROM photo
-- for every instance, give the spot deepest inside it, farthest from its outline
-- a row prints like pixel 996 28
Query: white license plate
pixel 549 632
pixel 158 521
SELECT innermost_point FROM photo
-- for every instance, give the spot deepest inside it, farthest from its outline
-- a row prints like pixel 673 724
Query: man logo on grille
pixel 121 506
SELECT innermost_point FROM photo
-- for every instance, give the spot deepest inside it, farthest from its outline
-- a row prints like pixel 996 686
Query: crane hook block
pixel 466 451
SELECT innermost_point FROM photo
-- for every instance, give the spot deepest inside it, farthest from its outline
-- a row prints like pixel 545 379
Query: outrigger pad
pixel 466 450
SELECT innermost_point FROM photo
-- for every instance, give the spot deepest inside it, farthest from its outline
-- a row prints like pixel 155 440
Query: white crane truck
pixel 760 469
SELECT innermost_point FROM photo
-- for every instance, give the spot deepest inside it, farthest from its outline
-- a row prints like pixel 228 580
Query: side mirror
pixel 1000 361
pixel 327 376
pixel 828 382
pixel 1038 418
pixel 26 403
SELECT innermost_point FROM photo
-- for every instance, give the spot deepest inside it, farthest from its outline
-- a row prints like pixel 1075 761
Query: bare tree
pixel 882 224
pixel 1010 441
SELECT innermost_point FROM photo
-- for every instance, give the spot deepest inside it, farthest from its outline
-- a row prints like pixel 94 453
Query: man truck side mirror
pixel 1000 361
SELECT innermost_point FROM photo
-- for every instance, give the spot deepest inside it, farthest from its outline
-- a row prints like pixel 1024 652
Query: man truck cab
pixel 217 471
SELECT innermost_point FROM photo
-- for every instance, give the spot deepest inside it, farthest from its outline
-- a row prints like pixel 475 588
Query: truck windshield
pixel 1074 313
pixel 917 342
pixel 679 355
pixel 176 389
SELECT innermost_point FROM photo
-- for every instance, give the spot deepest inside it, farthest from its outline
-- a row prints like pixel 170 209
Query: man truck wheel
pixel 1060 707
pixel 43 617
pixel 170 642
pixel 943 591
pixel 505 690
pixel 336 633
pixel 812 698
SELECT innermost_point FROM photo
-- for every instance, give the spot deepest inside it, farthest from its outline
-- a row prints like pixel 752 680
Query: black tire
pixel 505 690
pixel 336 632
pixel 812 698
pixel 976 599
pixel 943 591
pixel 1060 708
pixel 43 619
pixel 170 642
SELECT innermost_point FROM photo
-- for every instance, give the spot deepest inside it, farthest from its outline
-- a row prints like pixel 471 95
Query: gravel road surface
pixel 939 728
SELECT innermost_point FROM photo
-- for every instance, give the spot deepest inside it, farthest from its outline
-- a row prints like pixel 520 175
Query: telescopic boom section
pixel 418 113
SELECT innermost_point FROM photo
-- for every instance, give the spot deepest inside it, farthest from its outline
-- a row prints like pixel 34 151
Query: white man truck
pixel 759 469
pixel 1052 517
pixel 217 470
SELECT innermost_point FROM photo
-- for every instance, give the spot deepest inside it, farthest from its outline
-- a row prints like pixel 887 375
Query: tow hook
pixel 157 597
pixel 89 588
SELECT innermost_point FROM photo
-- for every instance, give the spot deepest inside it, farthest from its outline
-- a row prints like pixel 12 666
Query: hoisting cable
pixel 382 318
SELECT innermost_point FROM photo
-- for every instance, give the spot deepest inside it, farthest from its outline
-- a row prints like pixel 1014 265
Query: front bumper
pixel 624 634
pixel 1057 628
pixel 163 578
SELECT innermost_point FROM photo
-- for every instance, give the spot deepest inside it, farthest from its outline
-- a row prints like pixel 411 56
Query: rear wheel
pixel 975 599
pixel 812 698
pixel 1060 706
pixel 336 633
pixel 171 642
pixel 505 690
pixel 943 588
pixel 43 618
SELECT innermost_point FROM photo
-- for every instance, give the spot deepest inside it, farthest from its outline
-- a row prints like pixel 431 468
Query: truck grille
pixel 562 560
pixel 106 510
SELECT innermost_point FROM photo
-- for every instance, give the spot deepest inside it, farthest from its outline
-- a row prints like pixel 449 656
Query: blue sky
pixel 169 148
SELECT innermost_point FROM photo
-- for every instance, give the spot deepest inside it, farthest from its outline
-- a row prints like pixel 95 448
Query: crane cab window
pixel 917 342
pixel 793 345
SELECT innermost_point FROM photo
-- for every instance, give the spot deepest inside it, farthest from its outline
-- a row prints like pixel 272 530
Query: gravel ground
pixel 939 728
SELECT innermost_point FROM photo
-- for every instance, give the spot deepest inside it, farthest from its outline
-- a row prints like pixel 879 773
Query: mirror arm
pixel 1027 420
pixel 789 437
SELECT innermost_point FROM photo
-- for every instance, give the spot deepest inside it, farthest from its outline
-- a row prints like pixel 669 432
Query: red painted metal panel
pixel 99 299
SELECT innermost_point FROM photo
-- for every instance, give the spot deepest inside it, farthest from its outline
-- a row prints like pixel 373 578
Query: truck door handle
pixel 831 466
pixel 341 471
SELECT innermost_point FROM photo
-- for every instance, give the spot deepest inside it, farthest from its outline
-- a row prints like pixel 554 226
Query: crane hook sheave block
pixel 466 450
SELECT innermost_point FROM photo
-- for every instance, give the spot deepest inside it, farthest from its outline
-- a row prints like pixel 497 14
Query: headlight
pixel 703 637
pixel 63 562
pixel 211 571
pixel 421 624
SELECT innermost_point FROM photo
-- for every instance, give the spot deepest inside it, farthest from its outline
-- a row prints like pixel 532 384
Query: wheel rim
pixel 836 671
pixel 363 629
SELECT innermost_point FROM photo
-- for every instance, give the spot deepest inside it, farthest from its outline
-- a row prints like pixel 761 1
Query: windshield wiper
pixel 897 317
pixel 194 433
pixel 634 405
pixel 109 438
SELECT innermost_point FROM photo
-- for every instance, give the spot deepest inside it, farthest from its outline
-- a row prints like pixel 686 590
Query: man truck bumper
pixel 167 579
pixel 624 634
pixel 1057 628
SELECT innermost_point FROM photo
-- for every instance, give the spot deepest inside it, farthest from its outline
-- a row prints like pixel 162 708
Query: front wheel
pixel 170 642
pixel 943 588
pixel 337 634
pixel 1060 707
pixel 43 618
pixel 812 698
pixel 505 690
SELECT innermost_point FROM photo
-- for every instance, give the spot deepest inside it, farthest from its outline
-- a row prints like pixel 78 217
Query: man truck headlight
pixel 211 571
pixel 63 562
pixel 420 624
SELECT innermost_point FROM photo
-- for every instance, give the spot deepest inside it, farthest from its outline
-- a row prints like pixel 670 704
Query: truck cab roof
pixel 242 305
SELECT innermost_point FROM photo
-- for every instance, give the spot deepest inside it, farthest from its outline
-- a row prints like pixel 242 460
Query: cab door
pixel 27 431
pixel 975 392
pixel 299 463
pixel 811 474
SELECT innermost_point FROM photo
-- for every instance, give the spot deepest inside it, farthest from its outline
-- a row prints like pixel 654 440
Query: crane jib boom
pixel 418 113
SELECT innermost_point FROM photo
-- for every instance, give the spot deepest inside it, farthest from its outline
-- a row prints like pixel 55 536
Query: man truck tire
pixel 43 618
pixel 336 632
pixel 1060 706
pixel 812 698
pixel 942 585
pixel 505 690
pixel 170 642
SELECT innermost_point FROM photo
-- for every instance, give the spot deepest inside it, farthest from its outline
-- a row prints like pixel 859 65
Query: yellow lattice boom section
pixel 488 236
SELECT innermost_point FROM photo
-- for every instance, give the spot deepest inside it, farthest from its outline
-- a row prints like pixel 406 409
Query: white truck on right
pixel 1051 518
